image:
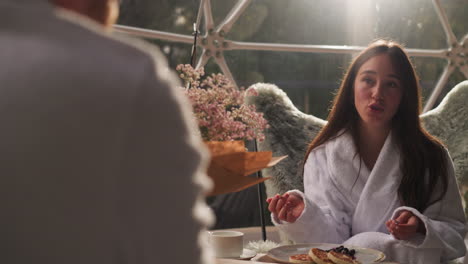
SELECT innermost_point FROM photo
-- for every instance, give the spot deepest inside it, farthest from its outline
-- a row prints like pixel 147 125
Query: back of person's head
pixel 104 12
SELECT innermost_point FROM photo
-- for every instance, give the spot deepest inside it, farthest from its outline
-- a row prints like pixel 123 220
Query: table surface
pixel 252 234
pixel 234 261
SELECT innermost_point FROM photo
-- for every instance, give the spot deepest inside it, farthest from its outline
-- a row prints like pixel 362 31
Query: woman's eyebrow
pixel 368 72
pixel 374 72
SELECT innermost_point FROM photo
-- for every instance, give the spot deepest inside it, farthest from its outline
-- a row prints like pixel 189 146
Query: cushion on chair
pixel 289 134
pixel 449 122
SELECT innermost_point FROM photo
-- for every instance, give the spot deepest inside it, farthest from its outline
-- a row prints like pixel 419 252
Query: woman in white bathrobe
pixel 374 177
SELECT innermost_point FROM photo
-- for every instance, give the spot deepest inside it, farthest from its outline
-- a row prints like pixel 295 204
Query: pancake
pixel 319 256
pixel 301 258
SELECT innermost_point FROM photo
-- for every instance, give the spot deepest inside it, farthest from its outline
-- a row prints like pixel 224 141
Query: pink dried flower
pixel 219 107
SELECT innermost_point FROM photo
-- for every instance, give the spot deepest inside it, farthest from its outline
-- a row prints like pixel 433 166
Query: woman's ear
pixel 104 12
pixel 112 12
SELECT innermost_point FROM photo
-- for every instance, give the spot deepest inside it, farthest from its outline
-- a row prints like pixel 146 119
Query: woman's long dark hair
pixel 421 153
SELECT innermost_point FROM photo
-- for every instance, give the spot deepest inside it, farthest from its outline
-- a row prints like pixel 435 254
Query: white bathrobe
pixel 345 209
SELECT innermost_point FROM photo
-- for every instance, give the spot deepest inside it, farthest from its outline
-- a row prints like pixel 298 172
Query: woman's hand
pixel 287 207
pixel 405 225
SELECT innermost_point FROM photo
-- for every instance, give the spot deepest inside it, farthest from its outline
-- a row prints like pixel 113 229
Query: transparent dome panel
pixel 429 71
pixel 292 22
pixel 457 14
pixel 336 22
pixel 415 23
pixel 310 80
pixel 175 16
pixel 220 9
pixel 175 53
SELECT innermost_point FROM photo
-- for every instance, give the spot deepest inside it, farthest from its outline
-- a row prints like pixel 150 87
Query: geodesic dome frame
pixel 213 44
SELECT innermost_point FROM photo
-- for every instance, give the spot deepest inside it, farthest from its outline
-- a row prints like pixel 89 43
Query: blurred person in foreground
pixel 95 144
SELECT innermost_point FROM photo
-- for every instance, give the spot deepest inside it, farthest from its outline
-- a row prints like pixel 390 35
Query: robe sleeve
pixel 444 221
pixel 325 218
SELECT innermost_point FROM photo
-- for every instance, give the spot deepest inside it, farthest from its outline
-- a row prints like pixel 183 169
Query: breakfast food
pixel 319 256
pixel 337 255
pixel 341 258
pixel 300 258
pixel 346 251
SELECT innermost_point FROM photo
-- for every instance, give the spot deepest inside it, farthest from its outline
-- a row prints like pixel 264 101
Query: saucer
pixel 246 254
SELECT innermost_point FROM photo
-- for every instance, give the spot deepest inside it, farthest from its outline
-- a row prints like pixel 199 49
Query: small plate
pixel 246 254
pixel 363 255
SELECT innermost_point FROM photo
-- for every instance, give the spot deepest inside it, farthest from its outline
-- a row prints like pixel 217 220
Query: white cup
pixel 226 244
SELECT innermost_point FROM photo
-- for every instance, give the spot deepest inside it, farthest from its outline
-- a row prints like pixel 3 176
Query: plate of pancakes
pixel 324 253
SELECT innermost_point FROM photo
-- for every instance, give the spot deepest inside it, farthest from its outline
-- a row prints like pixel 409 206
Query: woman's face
pixel 377 92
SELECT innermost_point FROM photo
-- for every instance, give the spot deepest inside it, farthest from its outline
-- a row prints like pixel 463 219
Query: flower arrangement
pixel 219 107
